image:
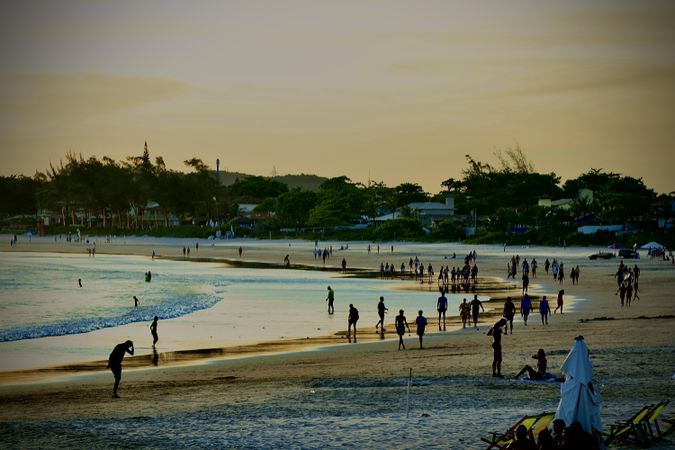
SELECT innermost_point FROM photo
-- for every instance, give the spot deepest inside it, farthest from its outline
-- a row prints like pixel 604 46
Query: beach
pixel 320 391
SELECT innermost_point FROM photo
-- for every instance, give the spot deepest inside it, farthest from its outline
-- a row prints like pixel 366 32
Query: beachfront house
pixel 430 213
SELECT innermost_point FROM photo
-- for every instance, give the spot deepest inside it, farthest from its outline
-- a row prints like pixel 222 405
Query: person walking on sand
pixel 509 314
pixel 496 333
pixel 544 310
pixel 525 307
pixel 135 302
pixel 79 281
pixel 561 292
pixel 442 307
pixel 115 362
pixel 421 322
pixel 153 331
pixel 351 321
pixel 381 309
pixel 526 282
pixel 344 264
pixel 401 324
pixel 240 250
pixel 464 312
pixel 475 304
pixel 330 299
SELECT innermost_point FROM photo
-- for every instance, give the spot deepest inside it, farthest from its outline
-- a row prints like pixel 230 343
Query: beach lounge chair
pixel 652 420
pixel 501 440
pixel 670 421
pixel 633 430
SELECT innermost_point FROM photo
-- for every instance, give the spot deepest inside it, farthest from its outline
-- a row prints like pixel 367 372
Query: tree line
pixel 108 194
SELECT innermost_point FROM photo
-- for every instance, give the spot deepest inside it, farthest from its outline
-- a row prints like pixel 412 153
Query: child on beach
pixel 401 325
pixel 421 322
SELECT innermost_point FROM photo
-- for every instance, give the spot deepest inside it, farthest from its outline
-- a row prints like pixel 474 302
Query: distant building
pixel 433 212
pixel 246 209
pixel 584 194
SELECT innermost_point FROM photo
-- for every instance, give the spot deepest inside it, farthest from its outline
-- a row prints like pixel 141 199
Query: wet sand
pixel 455 401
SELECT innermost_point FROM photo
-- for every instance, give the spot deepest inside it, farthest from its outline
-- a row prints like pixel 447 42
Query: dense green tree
pixel 255 188
pixel 292 208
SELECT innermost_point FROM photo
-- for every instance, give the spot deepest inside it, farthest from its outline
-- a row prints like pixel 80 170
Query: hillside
pixel 303 181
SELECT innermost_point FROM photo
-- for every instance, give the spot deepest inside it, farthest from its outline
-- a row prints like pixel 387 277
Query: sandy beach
pixel 324 392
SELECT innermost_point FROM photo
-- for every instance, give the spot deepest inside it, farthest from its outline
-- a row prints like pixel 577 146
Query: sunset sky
pixel 392 90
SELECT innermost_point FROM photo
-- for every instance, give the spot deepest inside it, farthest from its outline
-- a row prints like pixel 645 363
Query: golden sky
pixel 392 90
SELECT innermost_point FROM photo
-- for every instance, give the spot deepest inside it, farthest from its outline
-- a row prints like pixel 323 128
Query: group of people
pixel 627 280
pixel 560 438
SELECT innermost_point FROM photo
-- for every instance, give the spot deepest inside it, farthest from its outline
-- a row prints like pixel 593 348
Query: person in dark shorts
pixel 421 322
pixel 351 321
pixel 401 325
pixel 475 304
pixel 496 333
pixel 442 307
pixel 509 313
pixel 538 374
pixel 153 330
pixel 330 299
pixel 115 362
pixel 380 312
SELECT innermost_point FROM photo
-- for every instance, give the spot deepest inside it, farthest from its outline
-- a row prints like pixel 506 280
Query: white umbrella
pixel 651 246
pixel 579 397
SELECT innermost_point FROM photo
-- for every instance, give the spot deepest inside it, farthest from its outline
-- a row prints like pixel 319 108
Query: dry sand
pixel 316 395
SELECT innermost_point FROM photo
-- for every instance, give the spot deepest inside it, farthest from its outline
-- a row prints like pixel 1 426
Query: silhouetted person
pixel 351 321
pixel 522 442
pixel 561 292
pixel 577 438
pixel 79 281
pixel 538 374
pixel 344 264
pixel 135 302
pixel 475 304
pixel 401 325
pixel 544 310
pixel 509 313
pixel 115 362
pixel 380 312
pixel 421 322
pixel 442 307
pixel 240 251
pixel 496 333
pixel 464 312
pixel 153 331
pixel 330 299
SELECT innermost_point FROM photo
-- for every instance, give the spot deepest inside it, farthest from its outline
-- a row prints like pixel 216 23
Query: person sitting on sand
pixel 421 322
pixel 442 307
pixel 115 362
pixel 401 325
pixel 509 313
pixel 496 333
pixel 522 442
pixel 538 374
pixel 153 331
pixel 330 299
pixel 351 321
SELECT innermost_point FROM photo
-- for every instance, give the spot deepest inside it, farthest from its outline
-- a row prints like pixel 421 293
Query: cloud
pixel 71 97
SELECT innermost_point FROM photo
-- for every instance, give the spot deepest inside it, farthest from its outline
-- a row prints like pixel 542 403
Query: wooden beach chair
pixel 632 430
pixel 652 420
pixel 501 440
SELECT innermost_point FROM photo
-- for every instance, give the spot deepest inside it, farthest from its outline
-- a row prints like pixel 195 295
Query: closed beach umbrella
pixel 579 397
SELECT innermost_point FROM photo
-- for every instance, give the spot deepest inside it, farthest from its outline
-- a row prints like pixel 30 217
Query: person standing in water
pixel 496 333
pixel 135 302
pixel 330 299
pixel 401 325
pixel 442 307
pixel 153 331
pixel 421 322
pixel 351 321
pixel 79 281
pixel 380 312
pixel 115 362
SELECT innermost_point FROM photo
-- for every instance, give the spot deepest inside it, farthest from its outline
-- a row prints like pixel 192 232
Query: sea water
pixel 47 319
